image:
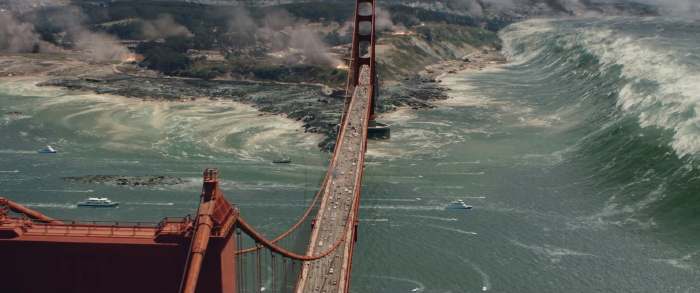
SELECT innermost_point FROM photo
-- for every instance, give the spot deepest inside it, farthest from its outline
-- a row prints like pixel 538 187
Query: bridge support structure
pixel 363 53
pixel 41 254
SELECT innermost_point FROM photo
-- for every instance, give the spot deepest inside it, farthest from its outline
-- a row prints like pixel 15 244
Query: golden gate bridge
pixel 217 250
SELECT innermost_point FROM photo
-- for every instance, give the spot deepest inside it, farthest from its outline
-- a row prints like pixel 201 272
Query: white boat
pixel 458 205
pixel 98 202
pixel 48 150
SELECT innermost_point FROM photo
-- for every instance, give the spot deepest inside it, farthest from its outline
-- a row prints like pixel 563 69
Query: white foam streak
pixel 173 129
pixel 555 254
pixel 530 30
pixel 645 62
pixel 50 205
pixel 674 105
pixel 455 230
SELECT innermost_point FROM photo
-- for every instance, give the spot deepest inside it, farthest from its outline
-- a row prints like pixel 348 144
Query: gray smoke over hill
pixel 296 40
pixel 164 26
pixel 98 46
pixel 19 34
pixel 17 37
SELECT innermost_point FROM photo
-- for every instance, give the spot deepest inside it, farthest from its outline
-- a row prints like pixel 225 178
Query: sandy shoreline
pixel 476 61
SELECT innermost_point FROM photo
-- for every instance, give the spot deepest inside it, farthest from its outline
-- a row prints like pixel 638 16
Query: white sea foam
pixel 455 230
pixel 402 207
pixel 68 190
pixel 623 214
pixel 125 124
pixel 530 30
pixel 458 163
pixel 419 287
pixel 462 98
pixel 685 262
pixel 390 199
pixel 485 278
pixel 554 253
pixel 191 183
pixel 374 220
pixel 10 151
pixel 50 205
pixel 675 105
pixel 400 116
pixel 435 218
pixel 27 87
pixel 150 203
pixel 645 62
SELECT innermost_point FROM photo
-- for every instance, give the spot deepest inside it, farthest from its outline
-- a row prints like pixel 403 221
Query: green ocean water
pixel 579 164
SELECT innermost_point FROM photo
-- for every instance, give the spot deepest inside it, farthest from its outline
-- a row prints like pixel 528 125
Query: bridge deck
pixel 337 213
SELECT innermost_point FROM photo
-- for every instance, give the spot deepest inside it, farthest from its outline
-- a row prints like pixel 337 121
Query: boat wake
pixel 150 203
pixel 51 205
pixel 455 230
pixel 419 287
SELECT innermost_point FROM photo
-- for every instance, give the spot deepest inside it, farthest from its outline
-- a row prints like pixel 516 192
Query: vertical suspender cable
pixel 258 274
pixel 238 258
pixel 272 264
pixel 284 275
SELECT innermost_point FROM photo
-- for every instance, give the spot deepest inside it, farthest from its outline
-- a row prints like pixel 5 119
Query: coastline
pixel 426 87
pixel 476 61
pixel 316 106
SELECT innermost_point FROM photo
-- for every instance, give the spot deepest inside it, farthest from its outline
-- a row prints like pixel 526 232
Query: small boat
pixel 48 150
pixel 98 202
pixel 458 205
pixel 282 161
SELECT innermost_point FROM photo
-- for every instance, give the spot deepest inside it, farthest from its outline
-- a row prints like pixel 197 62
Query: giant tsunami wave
pixel 633 90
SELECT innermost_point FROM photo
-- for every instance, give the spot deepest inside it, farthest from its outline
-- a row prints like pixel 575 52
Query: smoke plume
pixel 297 39
pixel 383 21
pixel 20 35
pixel 15 36
pixel 98 47
pixel 164 26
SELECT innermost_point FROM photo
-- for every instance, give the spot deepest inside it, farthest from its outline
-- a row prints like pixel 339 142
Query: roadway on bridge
pixel 336 214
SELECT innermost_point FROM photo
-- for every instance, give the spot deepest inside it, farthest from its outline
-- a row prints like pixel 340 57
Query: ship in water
pixel 98 202
pixel 48 150
pixel 458 205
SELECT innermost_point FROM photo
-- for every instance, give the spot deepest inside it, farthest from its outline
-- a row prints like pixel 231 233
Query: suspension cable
pixel 298 223
pixel 258 237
